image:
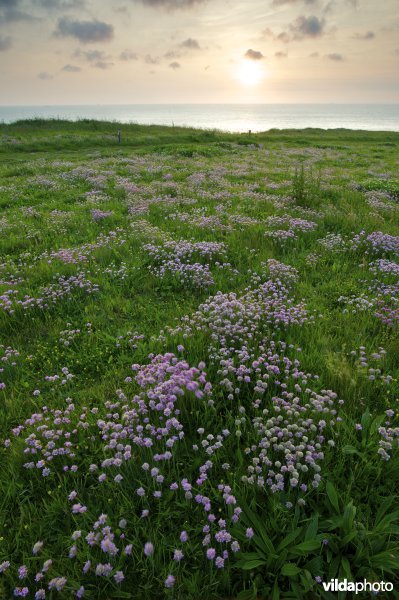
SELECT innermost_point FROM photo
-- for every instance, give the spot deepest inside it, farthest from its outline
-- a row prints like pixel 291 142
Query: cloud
pixel 281 2
pixel 9 13
pixel 174 65
pixel 97 58
pixel 91 55
pixel 335 57
pixel 191 44
pixel 102 64
pixel 267 32
pixel 128 55
pixel 85 31
pixel 283 37
pixel 253 54
pixel 151 60
pixel 307 27
pixel 171 4
pixel 5 43
pixel 280 54
pixel 173 54
pixel 369 35
pixel 300 29
pixel 71 68
pixel 329 7
pixel 45 76
pixel 59 4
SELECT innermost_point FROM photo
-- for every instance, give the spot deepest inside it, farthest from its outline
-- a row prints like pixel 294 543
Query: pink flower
pixel 170 581
pixel 148 549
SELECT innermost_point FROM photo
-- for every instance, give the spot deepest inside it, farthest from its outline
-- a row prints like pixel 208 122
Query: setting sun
pixel 251 72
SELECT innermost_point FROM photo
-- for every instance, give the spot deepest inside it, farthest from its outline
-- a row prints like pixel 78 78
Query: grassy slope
pixel 335 161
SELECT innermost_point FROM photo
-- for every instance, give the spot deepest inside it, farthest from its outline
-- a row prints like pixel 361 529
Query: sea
pixel 226 117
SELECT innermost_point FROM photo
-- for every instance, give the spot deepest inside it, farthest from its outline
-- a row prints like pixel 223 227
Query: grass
pixel 72 199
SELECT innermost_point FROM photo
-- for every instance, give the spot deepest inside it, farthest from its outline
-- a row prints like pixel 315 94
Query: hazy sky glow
pixel 182 51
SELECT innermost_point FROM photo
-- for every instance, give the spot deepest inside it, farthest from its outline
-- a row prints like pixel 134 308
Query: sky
pixel 198 51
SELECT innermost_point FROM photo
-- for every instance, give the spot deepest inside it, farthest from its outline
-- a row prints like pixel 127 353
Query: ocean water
pixel 228 117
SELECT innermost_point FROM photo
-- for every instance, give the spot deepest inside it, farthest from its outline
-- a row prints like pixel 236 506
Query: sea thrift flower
pixel 86 566
pixel 249 533
pixel 21 592
pixel 119 577
pixel 103 570
pixel 178 555
pixel 148 548
pixel 4 566
pixel 58 583
pixel 22 572
pixel 47 564
pixel 169 581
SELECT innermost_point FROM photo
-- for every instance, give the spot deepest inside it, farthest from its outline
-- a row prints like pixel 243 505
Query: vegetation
pixel 199 362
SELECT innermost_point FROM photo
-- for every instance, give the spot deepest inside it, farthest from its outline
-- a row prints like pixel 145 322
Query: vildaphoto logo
pixel 335 585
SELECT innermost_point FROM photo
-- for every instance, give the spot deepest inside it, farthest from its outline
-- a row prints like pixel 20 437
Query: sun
pixel 250 72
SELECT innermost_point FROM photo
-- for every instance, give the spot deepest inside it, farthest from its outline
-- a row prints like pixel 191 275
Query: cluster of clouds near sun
pixel 173 51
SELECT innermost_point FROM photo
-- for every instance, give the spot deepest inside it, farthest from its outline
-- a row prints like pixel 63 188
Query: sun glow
pixel 250 72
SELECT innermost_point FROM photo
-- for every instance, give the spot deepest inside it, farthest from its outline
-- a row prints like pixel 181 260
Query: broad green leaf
pixel 251 564
pixel 247 556
pixel 386 521
pixel 276 591
pixel 366 418
pixel 305 547
pixel 289 539
pixel 348 449
pixel 334 566
pixel 349 517
pixel 385 505
pixel 250 594
pixel 346 567
pixel 315 566
pixel 290 570
pixel 387 561
pixel 332 495
pixel 311 530
pixel 332 523
pixel 348 538
pixel 377 422
pixel 261 538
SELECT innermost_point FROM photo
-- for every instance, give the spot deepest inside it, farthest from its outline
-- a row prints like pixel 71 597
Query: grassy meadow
pixel 199 362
